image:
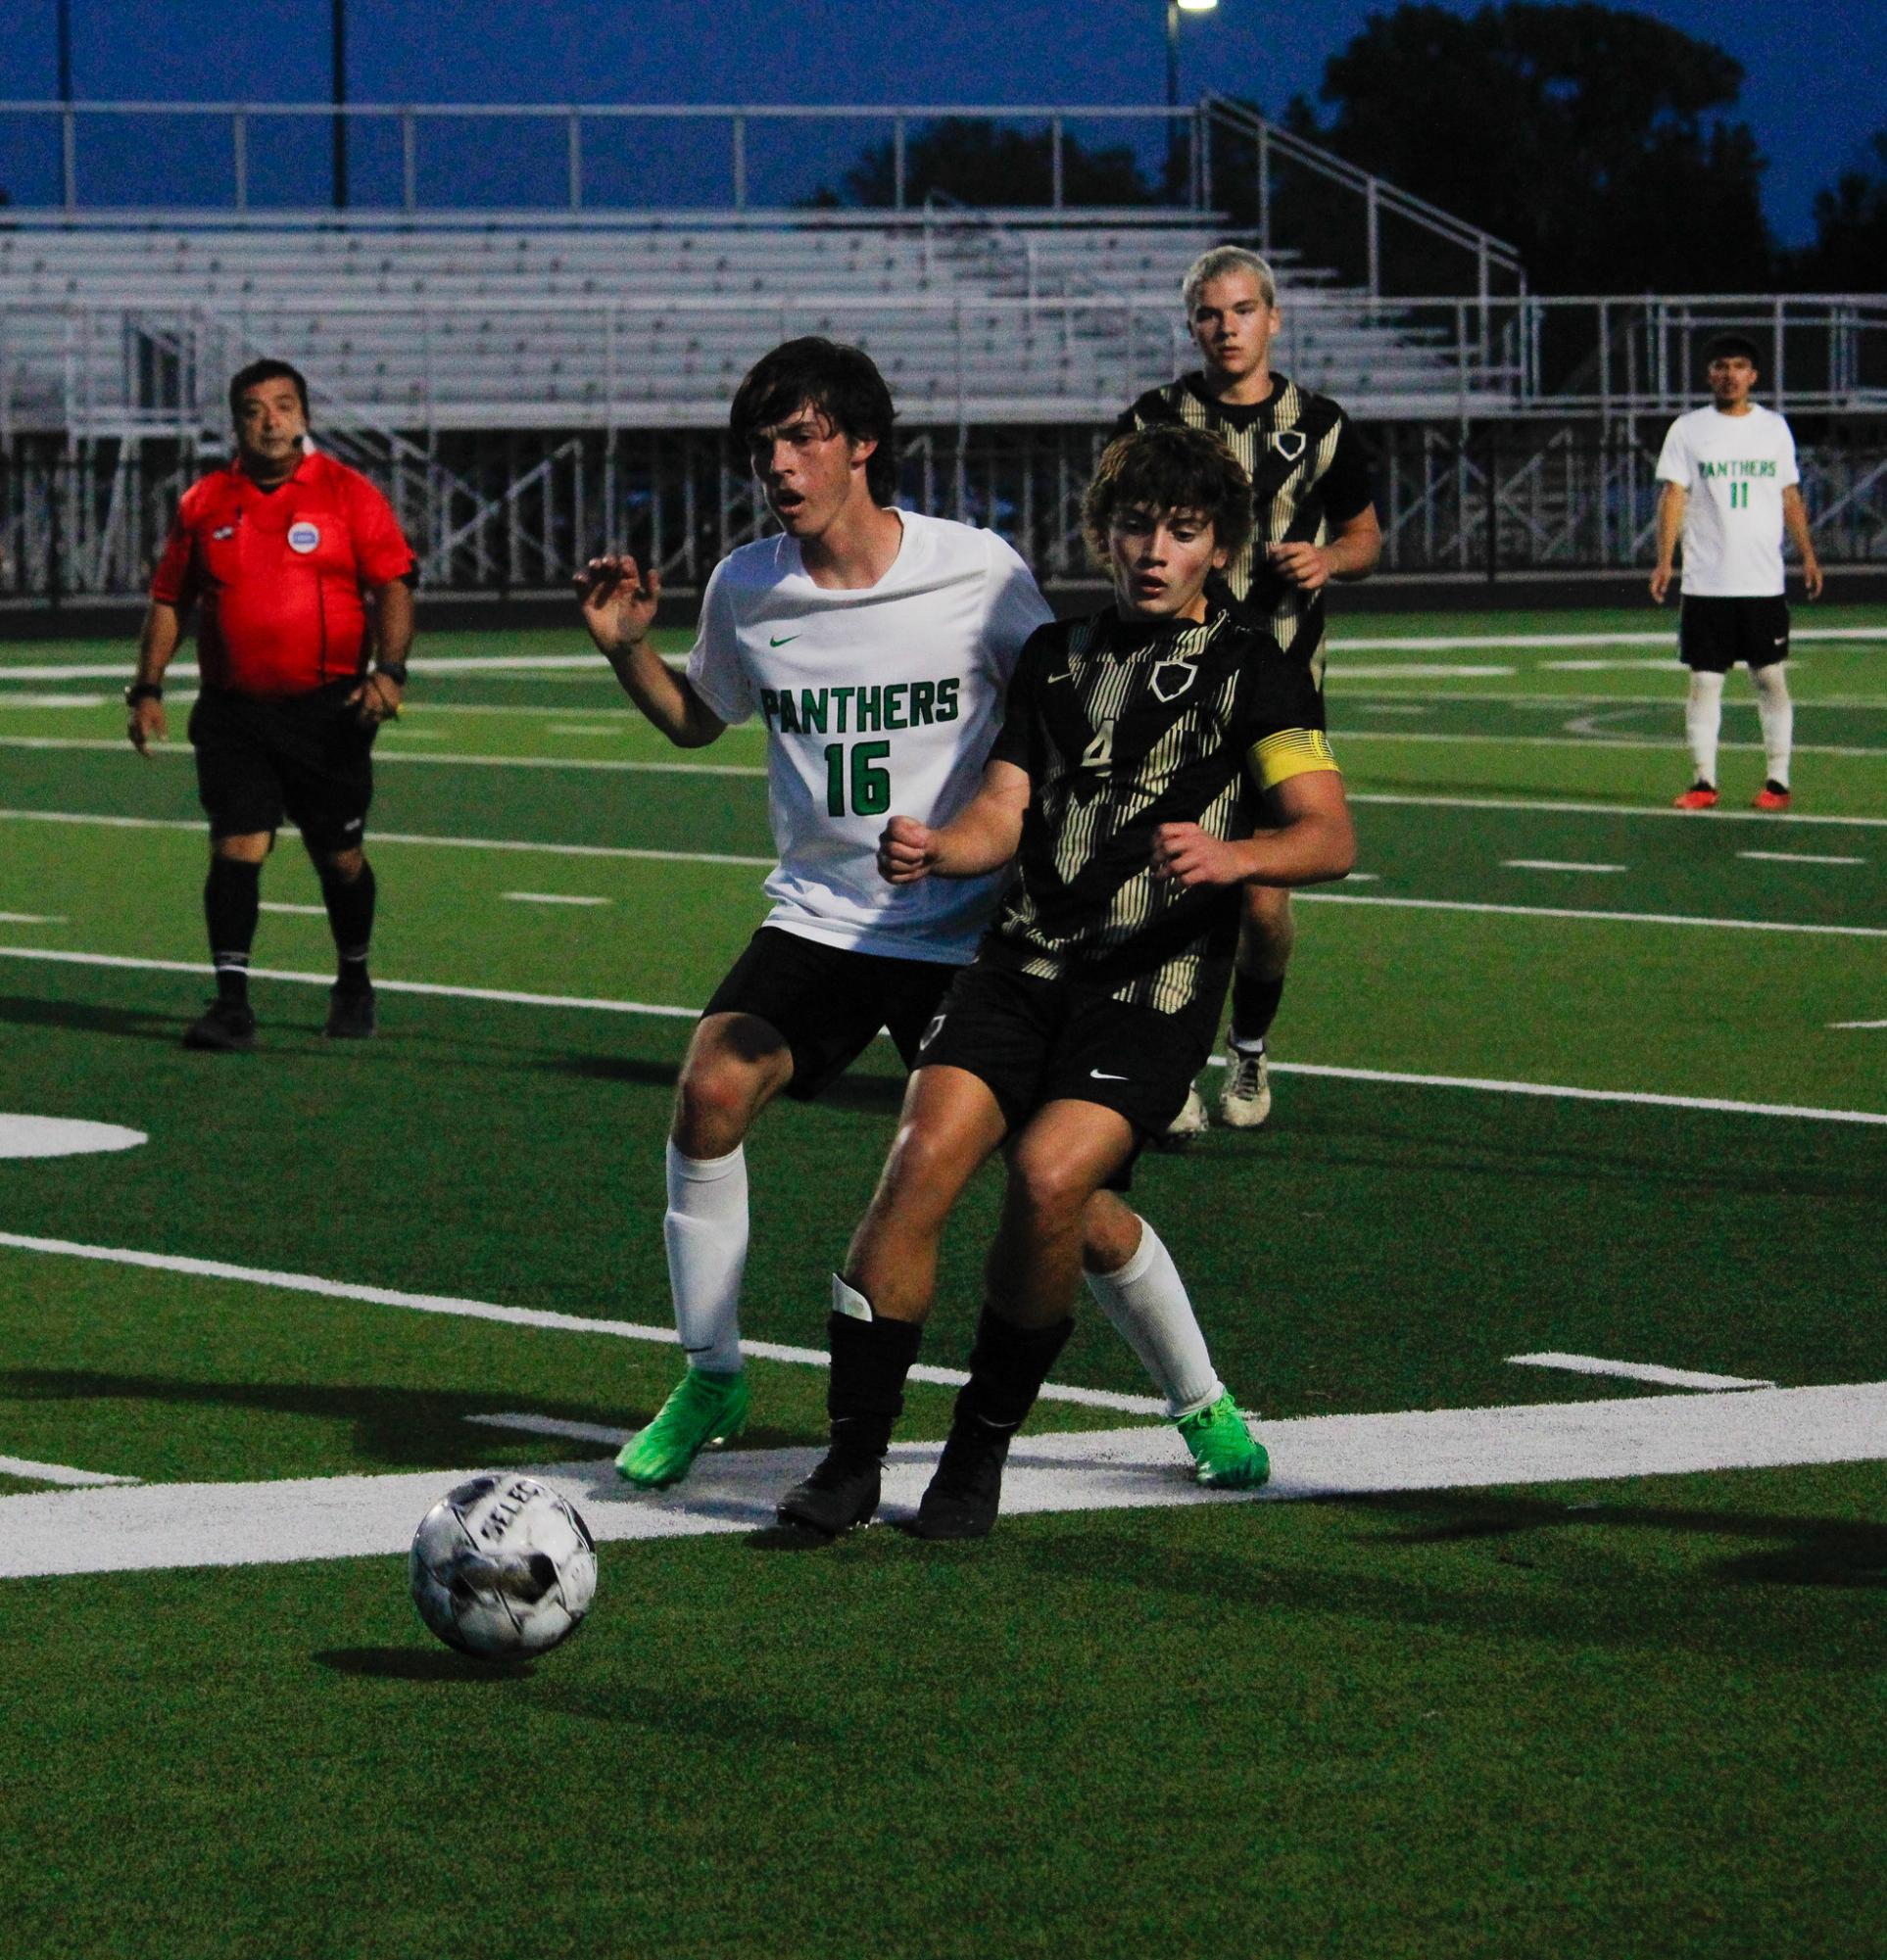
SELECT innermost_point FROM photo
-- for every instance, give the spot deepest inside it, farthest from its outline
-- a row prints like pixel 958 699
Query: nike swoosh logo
pixel 1053 677
pixel 782 643
pixel 1101 1076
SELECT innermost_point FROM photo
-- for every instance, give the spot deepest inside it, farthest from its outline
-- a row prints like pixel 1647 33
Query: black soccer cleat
pixel 223 1027
pixel 351 1015
pixel 841 1495
pixel 966 1493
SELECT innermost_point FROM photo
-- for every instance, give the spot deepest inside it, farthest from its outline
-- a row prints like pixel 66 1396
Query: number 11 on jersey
pixel 870 783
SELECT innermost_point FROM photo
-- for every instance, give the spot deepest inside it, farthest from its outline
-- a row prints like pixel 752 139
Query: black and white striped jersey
pixel 1124 726
pixel 1308 475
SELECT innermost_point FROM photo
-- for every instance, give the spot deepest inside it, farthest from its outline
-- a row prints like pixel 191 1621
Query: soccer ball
pixel 502 1568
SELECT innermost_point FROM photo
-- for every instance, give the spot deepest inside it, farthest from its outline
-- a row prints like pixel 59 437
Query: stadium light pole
pixel 66 50
pixel 1174 9
pixel 340 101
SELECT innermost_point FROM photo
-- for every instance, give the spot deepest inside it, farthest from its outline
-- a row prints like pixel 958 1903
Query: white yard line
pixel 176 752
pixel 1638 1372
pixel 1857 1024
pixel 517 1317
pixel 1593 914
pixel 550 898
pixel 195 827
pixel 32 919
pixel 292 911
pixel 1653 637
pixel 1482 740
pixel 1796 857
pixel 159 1525
pixel 1489 1084
pixel 1555 864
pixel 56 1473
pixel 1390 798
pixel 553 1425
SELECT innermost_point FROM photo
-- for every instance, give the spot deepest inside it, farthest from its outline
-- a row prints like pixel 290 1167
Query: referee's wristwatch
pixel 394 670
pixel 143 691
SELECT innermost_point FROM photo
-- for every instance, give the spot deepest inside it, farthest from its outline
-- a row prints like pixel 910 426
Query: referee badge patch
pixel 303 537
pixel 1289 444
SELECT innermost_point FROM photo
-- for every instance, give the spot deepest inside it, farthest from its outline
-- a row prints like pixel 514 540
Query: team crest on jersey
pixel 1171 679
pixel 1289 444
pixel 224 531
pixel 303 537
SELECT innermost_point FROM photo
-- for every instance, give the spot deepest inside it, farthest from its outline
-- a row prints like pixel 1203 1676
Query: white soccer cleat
pixel 1191 1122
pixel 1245 1100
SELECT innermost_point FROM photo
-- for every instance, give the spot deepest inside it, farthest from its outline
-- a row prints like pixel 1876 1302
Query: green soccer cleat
pixel 1225 1455
pixel 702 1408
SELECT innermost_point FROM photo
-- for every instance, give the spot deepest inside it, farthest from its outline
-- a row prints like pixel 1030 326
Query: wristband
pixel 394 670
pixel 142 690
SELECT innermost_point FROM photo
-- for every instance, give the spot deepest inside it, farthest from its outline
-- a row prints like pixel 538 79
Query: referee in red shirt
pixel 279 551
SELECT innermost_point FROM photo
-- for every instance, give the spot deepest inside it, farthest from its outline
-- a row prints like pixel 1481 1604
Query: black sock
pixel 350 918
pixel 1254 1007
pixel 1007 1368
pixel 231 904
pixel 865 1396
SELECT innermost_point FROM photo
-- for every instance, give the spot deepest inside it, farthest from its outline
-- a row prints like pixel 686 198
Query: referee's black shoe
pixel 351 1015
pixel 841 1495
pixel 223 1027
pixel 966 1492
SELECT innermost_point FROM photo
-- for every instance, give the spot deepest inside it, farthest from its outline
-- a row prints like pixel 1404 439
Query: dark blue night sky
pixel 1817 75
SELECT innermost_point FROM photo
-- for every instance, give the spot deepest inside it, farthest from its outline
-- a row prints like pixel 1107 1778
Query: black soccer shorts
pixel 828 1002
pixel 1715 635
pixel 304 756
pixel 1037 1041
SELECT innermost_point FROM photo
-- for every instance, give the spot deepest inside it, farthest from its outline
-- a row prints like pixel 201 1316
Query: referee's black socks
pixel 231 903
pixel 350 918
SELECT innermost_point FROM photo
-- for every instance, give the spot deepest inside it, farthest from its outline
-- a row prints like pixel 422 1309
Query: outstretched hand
pixel 906 851
pixel 619 602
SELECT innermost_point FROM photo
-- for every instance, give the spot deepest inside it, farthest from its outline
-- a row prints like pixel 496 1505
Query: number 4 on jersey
pixel 870 784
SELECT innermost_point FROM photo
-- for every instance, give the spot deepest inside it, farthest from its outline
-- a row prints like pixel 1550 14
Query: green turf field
pixel 1560 1072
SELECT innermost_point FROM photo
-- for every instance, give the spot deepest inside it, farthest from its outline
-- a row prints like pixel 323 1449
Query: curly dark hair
pixel 842 382
pixel 1169 468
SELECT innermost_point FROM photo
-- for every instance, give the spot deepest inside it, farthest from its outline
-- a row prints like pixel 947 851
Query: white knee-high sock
pixel 1146 1301
pixel 1776 712
pixel 705 1230
pixel 1704 722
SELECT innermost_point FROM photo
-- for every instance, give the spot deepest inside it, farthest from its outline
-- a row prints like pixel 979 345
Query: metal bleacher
pixel 129 327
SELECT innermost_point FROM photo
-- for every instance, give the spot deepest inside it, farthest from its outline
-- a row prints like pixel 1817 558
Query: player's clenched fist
pixel 1189 856
pixel 618 599
pixel 906 850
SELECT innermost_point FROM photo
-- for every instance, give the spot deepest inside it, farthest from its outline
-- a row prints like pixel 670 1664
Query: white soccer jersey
pixel 1735 468
pixel 876 702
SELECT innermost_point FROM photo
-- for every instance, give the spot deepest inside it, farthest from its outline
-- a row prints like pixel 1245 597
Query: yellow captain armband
pixel 1292 751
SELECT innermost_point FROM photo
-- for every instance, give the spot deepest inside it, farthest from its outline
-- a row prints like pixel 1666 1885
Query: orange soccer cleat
pixel 1772 796
pixel 1699 796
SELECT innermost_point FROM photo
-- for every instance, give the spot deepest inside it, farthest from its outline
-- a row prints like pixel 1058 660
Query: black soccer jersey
pixel 1124 726
pixel 1308 474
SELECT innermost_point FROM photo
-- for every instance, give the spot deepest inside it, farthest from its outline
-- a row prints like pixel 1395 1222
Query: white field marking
pixel 1637 1372
pixel 1488 1084
pixel 1556 864
pixel 1434 735
pixel 409 837
pixel 1418 671
pixel 1395 707
pixel 32 919
pixel 404 734
pixel 1556 808
pixel 1450 642
pixel 1364 878
pixel 591 733
pixel 1582 912
pixel 294 911
pixel 63 1136
pixel 173 751
pixel 1670 665
pixel 13 700
pixel 1579 1096
pixel 520 1316
pixel 550 898
pixel 56 1473
pixel 1857 1024
pixel 503 995
pixel 553 1425
pixel 1796 857
pixel 156 1525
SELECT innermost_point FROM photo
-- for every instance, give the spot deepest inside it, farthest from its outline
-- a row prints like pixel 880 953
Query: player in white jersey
pixel 1731 489
pixel 875 644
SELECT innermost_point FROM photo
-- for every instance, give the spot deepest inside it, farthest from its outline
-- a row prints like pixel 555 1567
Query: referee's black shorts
pixel 304 756
pixel 828 1002
pixel 1036 1042
pixel 1715 635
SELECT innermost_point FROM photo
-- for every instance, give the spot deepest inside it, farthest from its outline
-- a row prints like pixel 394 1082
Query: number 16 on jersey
pixel 868 780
